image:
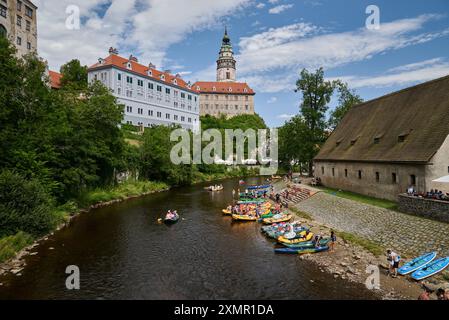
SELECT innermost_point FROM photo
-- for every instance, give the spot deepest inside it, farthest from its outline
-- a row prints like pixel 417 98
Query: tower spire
pixel 226 69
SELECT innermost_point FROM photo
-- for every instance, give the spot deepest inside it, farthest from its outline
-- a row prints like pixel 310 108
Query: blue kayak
pixel 430 269
pixel 301 250
pixel 417 263
pixel 259 187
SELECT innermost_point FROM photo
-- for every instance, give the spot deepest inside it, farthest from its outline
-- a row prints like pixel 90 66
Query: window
pixel 159 114
pixel 376 140
pixel 150 86
pixel 189 97
pixel 3 11
pixel 236 107
pixel 129 80
pixel 159 88
pixel 19 21
pixel 246 107
pixel 394 178
pixel 140 83
pixel 189 120
pixel 322 170
pixel 139 110
pixel 119 77
pixel 167 116
pixel 413 180
pixel 401 138
pixel 346 173
pixel 28 26
pixel 353 142
pixel 167 90
pixel 183 95
pixel 377 176
pixel 175 117
pixel 119 91
pixel 183 118
pixel 19 41
pixel 129 109
pixel 3 32
pixel 150 113
pixel 129 122
pixel 28 12
pixel 29 45
pixel 19 5
pixel 360 174
pixel 333 172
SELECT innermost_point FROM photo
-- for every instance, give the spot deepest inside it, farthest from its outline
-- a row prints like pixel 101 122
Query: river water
pixel 123 253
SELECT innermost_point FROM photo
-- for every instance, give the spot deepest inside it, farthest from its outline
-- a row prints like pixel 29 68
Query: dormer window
pixel 129 66
pixel 245 90
pixel 377 140
pixel 101 61
pixel 162 77
pixel 175 82
pixel 402 137
pixel 353 142
pixel 214 89
pixel 198 88
pixel 149 73
pixel 230 89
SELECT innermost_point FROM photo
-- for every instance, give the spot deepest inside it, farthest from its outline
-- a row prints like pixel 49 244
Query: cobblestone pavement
pixel 402 232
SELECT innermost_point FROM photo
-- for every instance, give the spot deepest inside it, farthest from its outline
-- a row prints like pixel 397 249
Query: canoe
pixel 417 263
pixel 226 211
pixel 299 239
pixel 259 187
pixel 431 269
pixel 284 218
pixel 301 250
pixel 307 244
pixel 240 217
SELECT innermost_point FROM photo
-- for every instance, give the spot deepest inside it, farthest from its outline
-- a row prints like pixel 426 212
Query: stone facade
pixel 427 208
pixel 228 104
pixel 379 180
pixel 18 23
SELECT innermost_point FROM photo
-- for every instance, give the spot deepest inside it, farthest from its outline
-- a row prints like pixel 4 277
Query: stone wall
pixel 433 209
pixel 375 179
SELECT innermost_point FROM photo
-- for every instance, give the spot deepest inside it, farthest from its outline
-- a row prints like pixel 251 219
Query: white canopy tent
pixel 441 184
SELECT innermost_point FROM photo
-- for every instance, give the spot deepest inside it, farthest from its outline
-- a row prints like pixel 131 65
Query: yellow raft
pixel 240 217
pixel 226 212
pixel 273 220
pixel 309 237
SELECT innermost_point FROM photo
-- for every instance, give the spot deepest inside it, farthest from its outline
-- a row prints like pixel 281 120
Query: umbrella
pixel 444 179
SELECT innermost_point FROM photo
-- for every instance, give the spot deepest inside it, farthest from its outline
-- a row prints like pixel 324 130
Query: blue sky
pixel 273 40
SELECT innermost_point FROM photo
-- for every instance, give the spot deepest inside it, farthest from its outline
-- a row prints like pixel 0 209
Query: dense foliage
pixel 301 138
pixel 244 122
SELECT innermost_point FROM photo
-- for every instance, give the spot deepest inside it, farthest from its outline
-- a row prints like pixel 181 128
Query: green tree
pixel 74 75
pixel 346 100
pixel 316 95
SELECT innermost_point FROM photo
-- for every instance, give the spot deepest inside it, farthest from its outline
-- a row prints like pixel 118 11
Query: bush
pixel 9 246
pixel 24 206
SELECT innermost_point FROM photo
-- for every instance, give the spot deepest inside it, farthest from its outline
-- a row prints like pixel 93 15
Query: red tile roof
pixel 223 87
pixel 55 79
pixel 120 62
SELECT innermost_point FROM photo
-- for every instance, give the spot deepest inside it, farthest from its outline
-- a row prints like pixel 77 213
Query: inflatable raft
pixel 302 238
pixel 239 217
pixel 274 219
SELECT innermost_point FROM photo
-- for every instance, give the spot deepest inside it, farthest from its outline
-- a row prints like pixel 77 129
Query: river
pixel 123 253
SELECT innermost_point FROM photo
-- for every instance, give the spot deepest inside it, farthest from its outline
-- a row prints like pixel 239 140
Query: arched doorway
pixel 3 31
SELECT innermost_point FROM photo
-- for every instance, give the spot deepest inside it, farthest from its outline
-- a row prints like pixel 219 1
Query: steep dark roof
pixel 370 131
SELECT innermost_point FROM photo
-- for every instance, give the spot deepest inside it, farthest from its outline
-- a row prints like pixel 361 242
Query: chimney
pixel 113 50
pixel 132 58
pixel 151 66
pixel 178 76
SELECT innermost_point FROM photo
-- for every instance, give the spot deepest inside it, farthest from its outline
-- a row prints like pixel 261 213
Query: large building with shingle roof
pixel 225 95
pixel 150 96
pixel 388 144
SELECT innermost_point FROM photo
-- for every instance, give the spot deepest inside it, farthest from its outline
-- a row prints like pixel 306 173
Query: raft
pixel 284 218
pixel 226 212
pixel 171 220
pixel 307 244
pixel 299 239
pixel 301 250
pixel 417 263
pixel 431 269
pixel 240 217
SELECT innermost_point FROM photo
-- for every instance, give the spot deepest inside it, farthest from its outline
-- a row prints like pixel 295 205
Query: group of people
pixel 171 214
pixel 246 210
pixel 442 294
pixel 434 194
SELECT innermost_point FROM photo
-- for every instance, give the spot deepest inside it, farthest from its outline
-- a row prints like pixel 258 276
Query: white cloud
pixel 279 9
pixel 273 1
pixel 146 28
pixel 272 100
pixel 285 116
pixel 403 75
pixel 260 5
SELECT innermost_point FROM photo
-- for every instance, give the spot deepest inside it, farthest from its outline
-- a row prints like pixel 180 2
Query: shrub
pixel 25 206
pixel 9 246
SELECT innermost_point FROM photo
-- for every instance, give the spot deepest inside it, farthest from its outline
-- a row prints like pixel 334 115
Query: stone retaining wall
pixel 433 209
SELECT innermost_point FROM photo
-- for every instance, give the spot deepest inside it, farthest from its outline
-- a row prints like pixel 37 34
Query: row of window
pixel 19 23
pixel 227 97
pixel 225 107
pixel 159 88
pixel 376 140
pixel 377 176
pixel 28 11
pixel 19 43
pixel 129 109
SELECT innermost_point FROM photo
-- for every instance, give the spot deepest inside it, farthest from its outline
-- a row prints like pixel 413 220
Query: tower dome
pixel 226 64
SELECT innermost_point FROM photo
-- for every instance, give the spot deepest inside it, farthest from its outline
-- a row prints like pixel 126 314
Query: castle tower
pixel 226 71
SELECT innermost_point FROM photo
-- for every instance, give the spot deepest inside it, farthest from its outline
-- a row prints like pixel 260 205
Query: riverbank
pixel 13 249
pixel 353 254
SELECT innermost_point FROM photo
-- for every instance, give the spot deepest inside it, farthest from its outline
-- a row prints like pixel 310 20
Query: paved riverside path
pixel 402 232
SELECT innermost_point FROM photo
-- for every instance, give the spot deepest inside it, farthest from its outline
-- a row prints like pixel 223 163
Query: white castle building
pixel 150 97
